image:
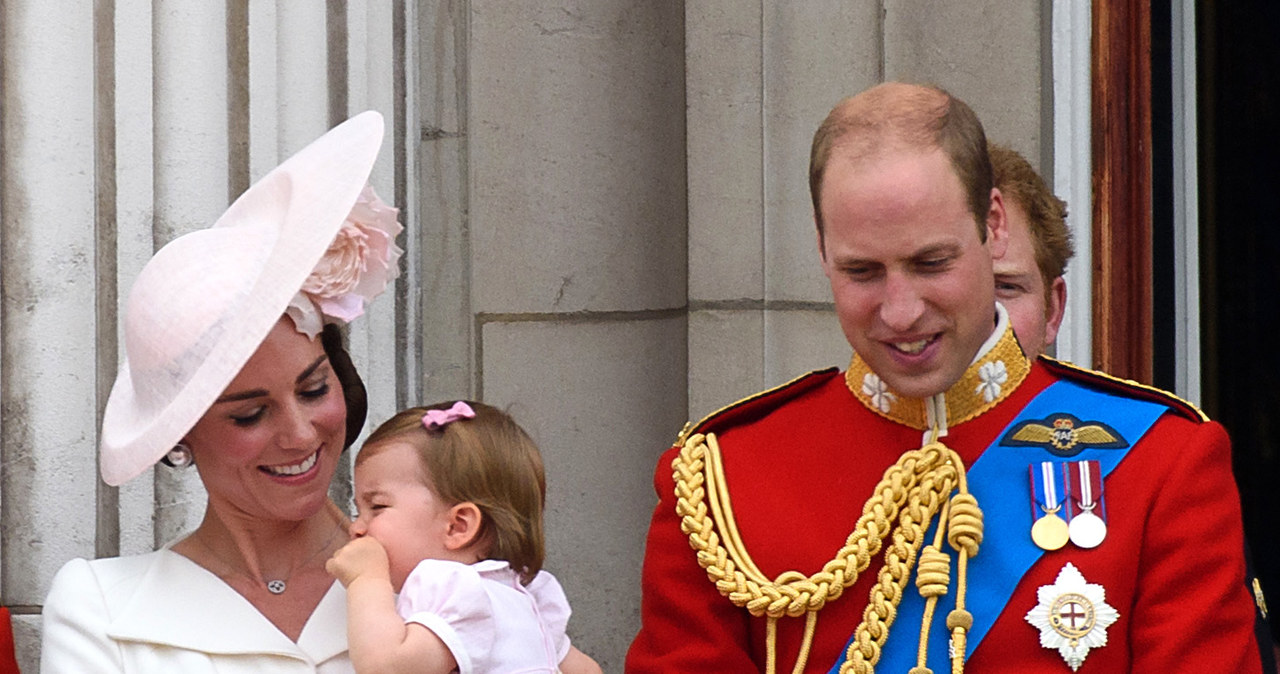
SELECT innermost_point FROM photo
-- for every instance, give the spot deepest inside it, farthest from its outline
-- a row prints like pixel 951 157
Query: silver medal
pixel 1087 530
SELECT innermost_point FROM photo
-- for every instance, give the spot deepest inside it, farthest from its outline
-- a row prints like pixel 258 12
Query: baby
pixel 450 504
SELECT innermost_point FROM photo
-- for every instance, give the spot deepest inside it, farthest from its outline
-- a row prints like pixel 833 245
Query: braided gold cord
pixel 924 502
pixel 921 480
pixel 934 574
pixel 965 535
pixel 933 577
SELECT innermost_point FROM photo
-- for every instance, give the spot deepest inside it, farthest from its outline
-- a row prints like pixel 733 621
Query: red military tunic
pixel 801 460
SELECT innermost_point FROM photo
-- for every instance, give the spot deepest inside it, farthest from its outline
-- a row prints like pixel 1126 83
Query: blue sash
pixel 999 479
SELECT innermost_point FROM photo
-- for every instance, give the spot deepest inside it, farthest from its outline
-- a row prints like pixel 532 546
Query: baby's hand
pixel 363 556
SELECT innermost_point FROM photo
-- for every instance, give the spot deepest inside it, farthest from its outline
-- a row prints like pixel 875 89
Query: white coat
pixel 162 613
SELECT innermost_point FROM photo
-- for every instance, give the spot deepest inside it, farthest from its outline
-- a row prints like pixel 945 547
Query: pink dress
pixel 490 622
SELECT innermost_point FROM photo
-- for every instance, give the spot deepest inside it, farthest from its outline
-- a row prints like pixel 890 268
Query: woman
pixel 234 363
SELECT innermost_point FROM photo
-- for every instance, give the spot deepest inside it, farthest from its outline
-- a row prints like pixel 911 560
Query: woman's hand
pixel 362 557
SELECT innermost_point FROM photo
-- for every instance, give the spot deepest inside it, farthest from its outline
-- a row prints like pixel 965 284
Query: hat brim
pixel 307 197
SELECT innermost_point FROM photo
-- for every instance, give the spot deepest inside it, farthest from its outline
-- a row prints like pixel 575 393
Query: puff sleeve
pixel 449 599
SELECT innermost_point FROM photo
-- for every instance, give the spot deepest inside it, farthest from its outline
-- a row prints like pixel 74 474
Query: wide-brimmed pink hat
pixel 205 302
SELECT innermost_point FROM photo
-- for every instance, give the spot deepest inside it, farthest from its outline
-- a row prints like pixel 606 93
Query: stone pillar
pixel 576 199
pixel 48 416
pixel 990 54
pixel 760 79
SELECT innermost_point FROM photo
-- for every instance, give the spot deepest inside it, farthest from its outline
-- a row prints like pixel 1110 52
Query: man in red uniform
pixel 946 501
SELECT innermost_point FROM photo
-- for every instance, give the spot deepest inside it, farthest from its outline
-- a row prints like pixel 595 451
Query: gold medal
pixel 1050 532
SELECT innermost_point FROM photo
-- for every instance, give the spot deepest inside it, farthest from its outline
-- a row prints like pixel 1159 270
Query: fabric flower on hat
pixel 359 264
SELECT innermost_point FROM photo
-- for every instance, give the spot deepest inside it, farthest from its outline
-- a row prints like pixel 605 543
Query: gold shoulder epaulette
pixel 1125 386
pixel 753 398
pixel 684 434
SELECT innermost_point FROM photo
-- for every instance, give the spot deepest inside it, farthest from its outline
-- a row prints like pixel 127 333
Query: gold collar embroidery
pixel 992 376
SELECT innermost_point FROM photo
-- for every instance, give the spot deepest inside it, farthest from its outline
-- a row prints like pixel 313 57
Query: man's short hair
pixel 1046 213
pixel 895 116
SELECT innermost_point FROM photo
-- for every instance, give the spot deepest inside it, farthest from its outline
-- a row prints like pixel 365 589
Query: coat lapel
pixel 157 614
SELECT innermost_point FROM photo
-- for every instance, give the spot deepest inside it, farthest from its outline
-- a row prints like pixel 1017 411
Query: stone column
pixel 760 79
pixel 576 200
pixel 48 417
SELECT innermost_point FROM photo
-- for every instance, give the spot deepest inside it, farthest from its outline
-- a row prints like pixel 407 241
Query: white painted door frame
pixel 1072 180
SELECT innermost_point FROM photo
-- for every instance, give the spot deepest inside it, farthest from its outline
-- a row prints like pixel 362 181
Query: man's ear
pixel 997 225
pixel 464 525
pixel 1054 309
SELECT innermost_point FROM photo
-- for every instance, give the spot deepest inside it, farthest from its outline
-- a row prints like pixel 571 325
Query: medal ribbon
pixel 1044 491
pixel 1084 480
pixel 1007 551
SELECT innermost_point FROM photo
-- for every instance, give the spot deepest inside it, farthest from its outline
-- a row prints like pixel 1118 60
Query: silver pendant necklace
pixel 275 586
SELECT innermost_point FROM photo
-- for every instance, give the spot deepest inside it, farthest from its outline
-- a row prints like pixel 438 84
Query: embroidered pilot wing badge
pixel 1064 435
pixel 1072 616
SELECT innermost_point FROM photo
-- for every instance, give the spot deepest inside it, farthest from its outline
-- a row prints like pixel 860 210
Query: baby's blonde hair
pixel 489 461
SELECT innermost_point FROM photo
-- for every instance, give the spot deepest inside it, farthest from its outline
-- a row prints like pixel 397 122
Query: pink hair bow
pixel 435 420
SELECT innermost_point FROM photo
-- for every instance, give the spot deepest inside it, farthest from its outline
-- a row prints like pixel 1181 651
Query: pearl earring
pixel 179 457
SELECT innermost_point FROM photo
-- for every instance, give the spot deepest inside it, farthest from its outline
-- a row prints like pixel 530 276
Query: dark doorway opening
pixel 1238 81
